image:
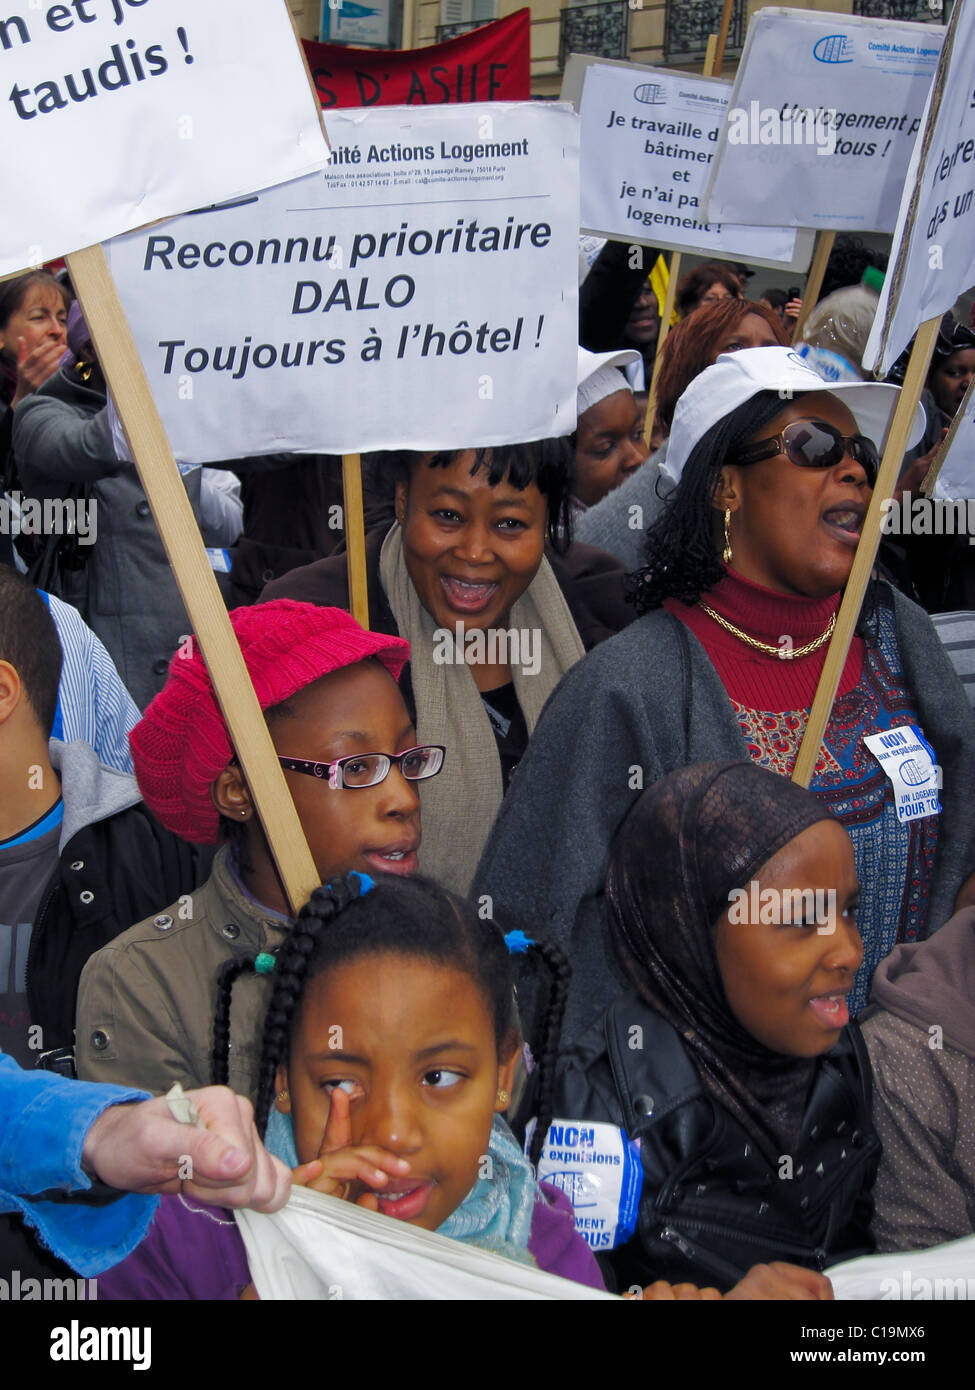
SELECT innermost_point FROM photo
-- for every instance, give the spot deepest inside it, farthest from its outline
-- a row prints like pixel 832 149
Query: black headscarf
pixel 692 838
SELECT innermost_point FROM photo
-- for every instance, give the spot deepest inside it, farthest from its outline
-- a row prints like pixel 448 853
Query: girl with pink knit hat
pixel 348 748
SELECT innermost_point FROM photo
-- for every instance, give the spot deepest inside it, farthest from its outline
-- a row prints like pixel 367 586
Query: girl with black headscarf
pixel 733 1062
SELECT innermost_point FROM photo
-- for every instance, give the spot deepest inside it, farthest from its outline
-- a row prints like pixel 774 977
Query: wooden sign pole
pixel 814 280
pixel 897 436
pixel 673 272
pixel 183 543
pixel 722 41
pixel 355 537
pixel 713 58
pixel 961 414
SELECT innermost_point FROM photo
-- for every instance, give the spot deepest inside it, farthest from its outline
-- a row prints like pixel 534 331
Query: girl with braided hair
pixel 388 1057
pixel 389 1050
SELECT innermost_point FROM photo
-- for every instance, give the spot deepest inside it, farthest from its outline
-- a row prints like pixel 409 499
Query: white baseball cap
pixel 738 376
pixel 597 377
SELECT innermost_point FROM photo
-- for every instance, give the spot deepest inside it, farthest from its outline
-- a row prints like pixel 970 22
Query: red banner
pixel 489 64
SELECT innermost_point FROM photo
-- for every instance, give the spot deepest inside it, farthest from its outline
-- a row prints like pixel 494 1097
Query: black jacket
pixel 110 874
pixel 713 1203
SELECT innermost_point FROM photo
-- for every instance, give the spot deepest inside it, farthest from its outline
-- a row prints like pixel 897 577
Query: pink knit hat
pixel 181 744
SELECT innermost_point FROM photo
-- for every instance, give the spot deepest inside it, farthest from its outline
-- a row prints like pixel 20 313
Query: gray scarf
pixel 459 805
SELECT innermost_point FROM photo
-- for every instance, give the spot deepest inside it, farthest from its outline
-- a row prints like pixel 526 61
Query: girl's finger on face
pixel 338 1128
pixel 356 1164
pixel 369 1200
pixel 305 1173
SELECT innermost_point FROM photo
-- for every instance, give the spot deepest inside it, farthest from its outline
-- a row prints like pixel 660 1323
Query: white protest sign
pixel 933 255
pixel 822 120
pixel 119 112
pixel 955 480
pixel 420 292
pixel 648 139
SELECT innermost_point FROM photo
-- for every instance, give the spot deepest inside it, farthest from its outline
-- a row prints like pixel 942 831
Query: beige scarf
pixel 459 804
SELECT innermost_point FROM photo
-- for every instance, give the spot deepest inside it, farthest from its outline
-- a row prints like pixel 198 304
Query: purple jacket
pixel 196 1252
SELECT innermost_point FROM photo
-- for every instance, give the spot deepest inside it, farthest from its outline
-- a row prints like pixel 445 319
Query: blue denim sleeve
pixel 43 1122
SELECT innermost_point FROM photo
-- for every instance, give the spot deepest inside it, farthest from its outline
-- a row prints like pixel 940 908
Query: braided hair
pixel 683 560
pixel 352 918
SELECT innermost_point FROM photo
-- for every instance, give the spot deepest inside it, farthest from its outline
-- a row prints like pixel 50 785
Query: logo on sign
pixel 651 94
pixel 913 774
pixel 834 48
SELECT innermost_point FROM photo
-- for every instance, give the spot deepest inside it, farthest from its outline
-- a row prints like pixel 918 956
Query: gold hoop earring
pixel 726 553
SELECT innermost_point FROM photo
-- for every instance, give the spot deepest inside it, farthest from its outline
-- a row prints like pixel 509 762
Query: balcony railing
pixel 917 11
pixel 453 31
pixel 602 30
pixel 689 24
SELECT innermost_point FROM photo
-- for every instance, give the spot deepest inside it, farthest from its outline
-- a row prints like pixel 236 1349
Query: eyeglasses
pixel 815 444
pixel 369 769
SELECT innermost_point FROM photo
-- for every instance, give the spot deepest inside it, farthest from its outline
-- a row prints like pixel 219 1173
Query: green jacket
pixel 147 1000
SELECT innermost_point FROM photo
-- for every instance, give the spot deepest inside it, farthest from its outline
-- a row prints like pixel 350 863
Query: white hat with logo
pixel 738 376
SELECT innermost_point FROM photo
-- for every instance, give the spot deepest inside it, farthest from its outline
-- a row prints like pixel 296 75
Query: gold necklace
pixel 783 652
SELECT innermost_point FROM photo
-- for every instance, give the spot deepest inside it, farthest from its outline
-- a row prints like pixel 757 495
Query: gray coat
pixel 640 705
pixel 126 590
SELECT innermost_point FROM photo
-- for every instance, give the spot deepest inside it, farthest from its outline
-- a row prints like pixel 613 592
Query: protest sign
pixel 932 259
pixel 421 293
pixel 122 111
pixel 821 121
pixel 490 64
pixel 951 476
pixel 648 139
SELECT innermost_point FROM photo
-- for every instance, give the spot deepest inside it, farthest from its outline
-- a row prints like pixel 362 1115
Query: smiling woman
pixel 497 606
pixel 746 566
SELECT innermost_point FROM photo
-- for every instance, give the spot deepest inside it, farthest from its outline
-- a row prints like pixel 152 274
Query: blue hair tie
pixel 366 884
pixel 517 943
pixel 264 963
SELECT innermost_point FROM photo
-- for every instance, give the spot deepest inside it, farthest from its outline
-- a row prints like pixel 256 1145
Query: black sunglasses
pixel 814 444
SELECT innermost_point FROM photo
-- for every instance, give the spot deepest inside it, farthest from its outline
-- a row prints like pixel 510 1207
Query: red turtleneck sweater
pixel 752 678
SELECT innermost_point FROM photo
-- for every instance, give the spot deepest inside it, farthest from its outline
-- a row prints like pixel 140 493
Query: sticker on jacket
pixel 909 761
pixel 599 1170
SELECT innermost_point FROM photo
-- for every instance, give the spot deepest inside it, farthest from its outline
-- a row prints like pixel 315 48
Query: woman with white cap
pixel 609 434
pixel 739 597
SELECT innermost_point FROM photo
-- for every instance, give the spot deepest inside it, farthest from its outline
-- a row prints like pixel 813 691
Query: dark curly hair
pixel 683 560
pixel 409 917
pixel 848 259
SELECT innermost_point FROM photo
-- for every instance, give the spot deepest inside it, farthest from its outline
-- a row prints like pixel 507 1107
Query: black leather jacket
pixel 713 1202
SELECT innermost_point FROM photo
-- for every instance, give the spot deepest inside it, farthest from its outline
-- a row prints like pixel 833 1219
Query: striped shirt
pixel 93 704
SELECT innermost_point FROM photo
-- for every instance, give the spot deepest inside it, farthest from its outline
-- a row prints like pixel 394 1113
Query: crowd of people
pixel 566 876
